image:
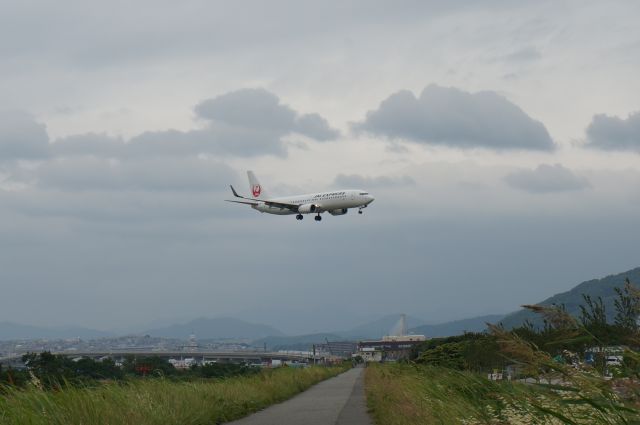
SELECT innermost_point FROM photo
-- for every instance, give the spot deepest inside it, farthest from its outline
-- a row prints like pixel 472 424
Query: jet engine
pixel 341 211
pixel 307 208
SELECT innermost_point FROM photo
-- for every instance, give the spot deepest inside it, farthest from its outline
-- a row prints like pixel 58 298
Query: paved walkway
pixel 336 401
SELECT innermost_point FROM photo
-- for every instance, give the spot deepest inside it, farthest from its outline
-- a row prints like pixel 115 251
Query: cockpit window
pixel 364 193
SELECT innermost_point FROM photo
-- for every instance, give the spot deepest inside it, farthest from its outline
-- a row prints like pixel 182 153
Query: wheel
pixel 299 217
pixel 359 211
pixel 318 218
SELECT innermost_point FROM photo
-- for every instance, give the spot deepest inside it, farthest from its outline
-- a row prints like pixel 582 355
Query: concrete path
pixel 336 401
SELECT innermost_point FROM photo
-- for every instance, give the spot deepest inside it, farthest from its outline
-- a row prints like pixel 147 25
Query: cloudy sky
pixel 501 140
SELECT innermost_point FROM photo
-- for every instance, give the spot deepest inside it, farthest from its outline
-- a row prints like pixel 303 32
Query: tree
pixel 448 355
pixel 594 319
pixel 12 377
pixel 470 351
pixel 52 370
pixel 627 308
pixel 92 369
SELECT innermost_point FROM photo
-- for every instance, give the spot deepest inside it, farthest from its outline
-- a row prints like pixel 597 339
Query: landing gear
pixel 299 217
pixel 361 208
pixel 318 217
pixel 359 211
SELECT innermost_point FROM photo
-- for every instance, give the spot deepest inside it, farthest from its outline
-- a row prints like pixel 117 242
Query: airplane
pixel 335 203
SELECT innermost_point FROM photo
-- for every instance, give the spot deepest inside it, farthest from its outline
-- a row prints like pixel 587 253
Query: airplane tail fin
pixel 256 189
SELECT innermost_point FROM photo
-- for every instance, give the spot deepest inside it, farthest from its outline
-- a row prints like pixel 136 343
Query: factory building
pixel 390 348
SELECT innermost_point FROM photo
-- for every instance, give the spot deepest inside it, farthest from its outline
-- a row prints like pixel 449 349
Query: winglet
pixel 234 192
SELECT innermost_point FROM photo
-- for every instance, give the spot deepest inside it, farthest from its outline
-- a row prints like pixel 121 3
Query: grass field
pixel 159 401
pixel 404 394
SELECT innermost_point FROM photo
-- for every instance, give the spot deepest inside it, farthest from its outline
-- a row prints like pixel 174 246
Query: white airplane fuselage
pixel 335 203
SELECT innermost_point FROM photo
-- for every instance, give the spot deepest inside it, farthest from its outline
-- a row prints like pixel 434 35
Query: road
pixel 336 401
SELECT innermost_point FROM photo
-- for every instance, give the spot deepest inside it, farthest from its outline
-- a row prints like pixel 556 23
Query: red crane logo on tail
pixel 256 189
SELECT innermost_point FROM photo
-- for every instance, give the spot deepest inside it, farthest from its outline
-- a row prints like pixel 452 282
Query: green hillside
pixel 572 299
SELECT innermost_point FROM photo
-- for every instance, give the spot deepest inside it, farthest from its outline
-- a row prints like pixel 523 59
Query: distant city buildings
pixel 12 350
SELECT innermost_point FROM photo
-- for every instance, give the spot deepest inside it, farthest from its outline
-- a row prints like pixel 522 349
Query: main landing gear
pixel 316 218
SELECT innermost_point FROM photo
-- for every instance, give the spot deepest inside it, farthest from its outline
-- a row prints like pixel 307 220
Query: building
pixel 344 349
pixel 390 348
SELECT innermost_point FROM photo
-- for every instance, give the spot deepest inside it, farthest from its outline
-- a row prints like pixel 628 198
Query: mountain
pixel 457 327
pixel 10 331
pixel 375 330
pixel 572 299
pixel 300 342
pixel 216 328
pixel 378 328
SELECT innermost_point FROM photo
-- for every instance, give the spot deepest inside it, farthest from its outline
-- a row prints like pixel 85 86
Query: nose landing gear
pixel 361 208
pixel 299 217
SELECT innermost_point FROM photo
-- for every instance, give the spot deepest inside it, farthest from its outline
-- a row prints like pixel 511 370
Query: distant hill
pixel 10 331
pixel 216 328
pixel 300 342
pixel 457 327
pixel 375 330
pixel 378 328
pixel 572 299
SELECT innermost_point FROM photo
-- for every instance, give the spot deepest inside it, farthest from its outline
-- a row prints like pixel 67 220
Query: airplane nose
pixel 370 199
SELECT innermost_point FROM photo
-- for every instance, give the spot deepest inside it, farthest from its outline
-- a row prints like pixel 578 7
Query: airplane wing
pixel 292 207
pixel 242 202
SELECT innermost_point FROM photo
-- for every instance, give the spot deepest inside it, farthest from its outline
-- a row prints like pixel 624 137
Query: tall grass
pixel 403 394
pixel 158 401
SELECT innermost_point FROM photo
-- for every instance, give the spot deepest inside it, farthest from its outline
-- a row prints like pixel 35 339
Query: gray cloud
pixel 220 139
pixel 448 116
pixel 216 138
pixel 522 55
pixel 546 178
pixel 247 122
pixel 255 108
pixel 358 181
pixel 145 216
pixel 259 109
pixel 316 127
pixel 212 28
pixel 21 137
pixel 157 174
pixel 613 133
pixel 89 144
